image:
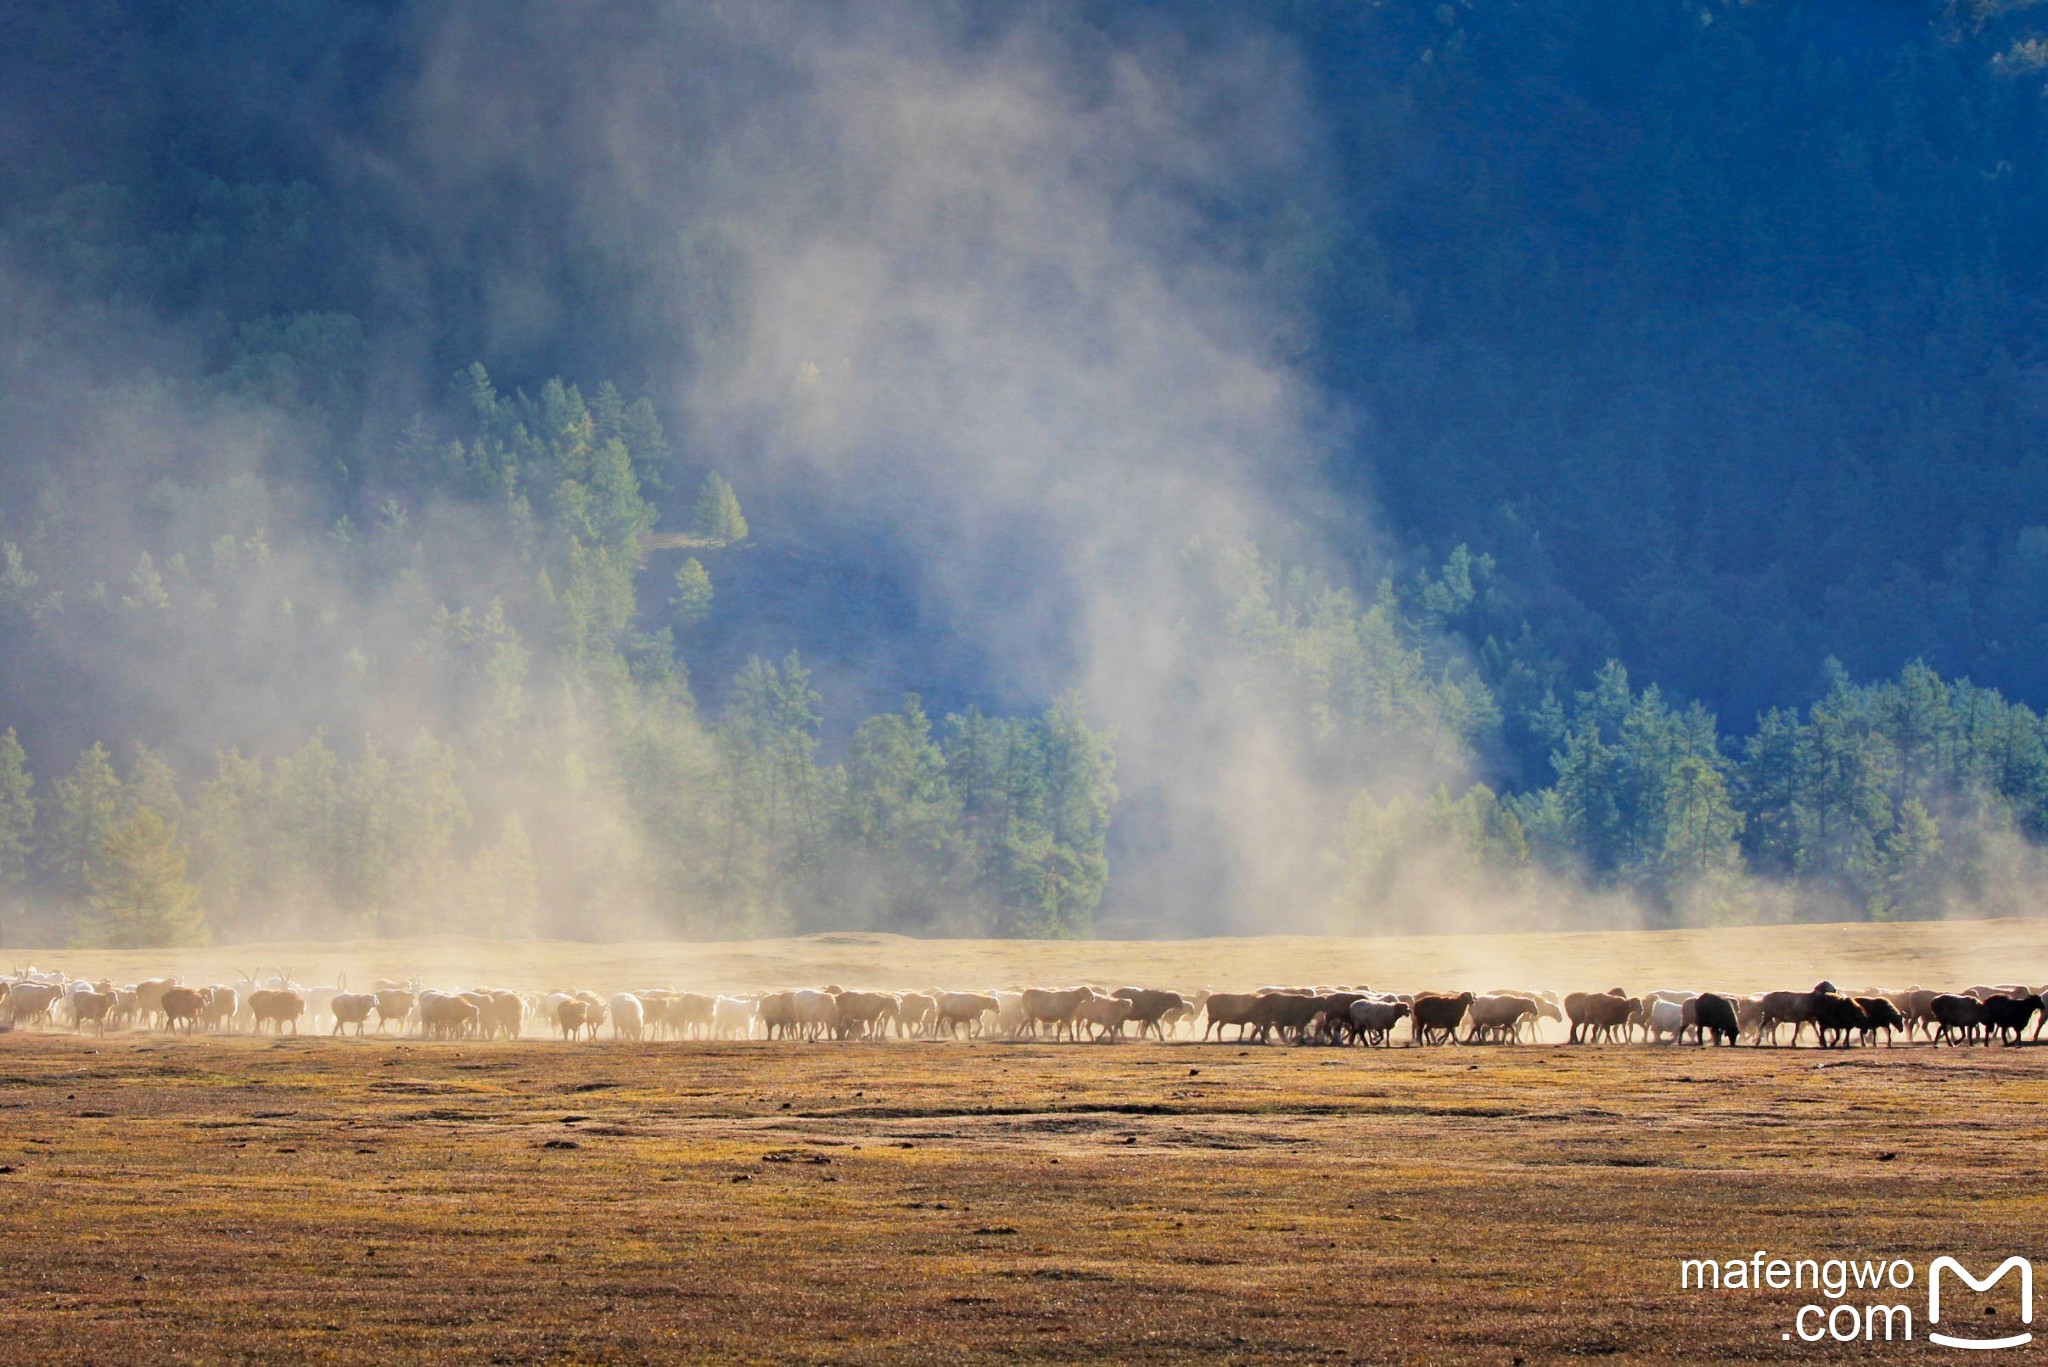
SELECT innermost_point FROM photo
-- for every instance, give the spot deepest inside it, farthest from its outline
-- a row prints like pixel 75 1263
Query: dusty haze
pixel 1002 293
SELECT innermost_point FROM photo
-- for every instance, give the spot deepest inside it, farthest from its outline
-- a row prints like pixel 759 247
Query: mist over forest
pixel 618 470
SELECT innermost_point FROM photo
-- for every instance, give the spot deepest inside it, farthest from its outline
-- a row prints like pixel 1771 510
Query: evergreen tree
pixel 900 817
pixel 17 814
pixel 17 581
pixel 1700 859
pixel 87 806
pixel 369 863
pixel 146 591
pixel 153 783
pixel 1059 867
pixel 774 799
pixel 306 817
pixel 897 795
pixel 640 429
pixel 691 600
pixel 1848 773
pixel 1769 789
pixel 717 517
pixel 1913 873
pixel 233 843
pixel 140 895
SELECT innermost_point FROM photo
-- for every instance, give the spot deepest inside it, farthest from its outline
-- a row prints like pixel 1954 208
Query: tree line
pixel 1912 796
pixel 495 734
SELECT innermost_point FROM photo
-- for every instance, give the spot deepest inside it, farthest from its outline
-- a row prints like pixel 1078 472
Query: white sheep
pixel 733 1017
pixel 628 1016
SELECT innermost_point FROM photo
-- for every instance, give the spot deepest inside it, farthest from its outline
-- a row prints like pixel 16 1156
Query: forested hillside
pixel 633 469
pixel 1723 321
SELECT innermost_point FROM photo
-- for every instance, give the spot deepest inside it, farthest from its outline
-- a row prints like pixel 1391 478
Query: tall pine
pixel 141 897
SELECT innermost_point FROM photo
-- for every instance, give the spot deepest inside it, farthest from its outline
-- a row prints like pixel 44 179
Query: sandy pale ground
pixel 1955 953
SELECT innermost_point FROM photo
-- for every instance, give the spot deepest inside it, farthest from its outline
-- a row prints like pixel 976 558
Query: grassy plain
pixel 1746 959
pixel 319 1200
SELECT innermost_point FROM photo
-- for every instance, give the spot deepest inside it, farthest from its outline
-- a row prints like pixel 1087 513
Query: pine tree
pixel 717 518
pixel 234 838
pixel 140 896
pixel 146 588
pixel 692 598
pixel 88 805
pixel 17 581
pixel 897 797
pixel 305 811
pixel 152 782
pixel 17 813
pixel 641 431
pixel 1058 865
pixel 622 515
pixel 1912 853
pixel 1770 791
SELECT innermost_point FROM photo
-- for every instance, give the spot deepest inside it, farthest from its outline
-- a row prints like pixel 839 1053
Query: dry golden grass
pixel 223 1199
pixel 241 1199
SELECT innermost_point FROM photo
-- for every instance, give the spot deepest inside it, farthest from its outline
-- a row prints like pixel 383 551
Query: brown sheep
pixel 1291 1013
pixel 596 1016
pixel 1838 1016
pixel 1960 1018
pixel 351 1008
pixel 223 1004
pixel 688 1015
pixel 1437 1016
pixel 1597 1015
pixel 1149 1007
pixel 1879 1014
pixel 1229 1008
pixel 1104 1017
pixel 149 999
pixel 91 1007
pixel 778 1012
pixel 444 1015
pixel 29 1002
pixel 503 1016
pixel 275 1007
pixel 1796 1009
pixel 916 1013
pixel 1500 1017
pixel 394 1004
pixel 1044 1007
pixel 571 1016
pixel 865 1015
pixel 1334 1018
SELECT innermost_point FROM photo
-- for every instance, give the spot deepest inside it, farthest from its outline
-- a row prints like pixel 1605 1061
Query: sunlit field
pixel 316 1199
pixel 1748 959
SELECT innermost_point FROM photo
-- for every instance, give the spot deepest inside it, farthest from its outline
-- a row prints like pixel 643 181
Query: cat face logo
pixel 2026 1270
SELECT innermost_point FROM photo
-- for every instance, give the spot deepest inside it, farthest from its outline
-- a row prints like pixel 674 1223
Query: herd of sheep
pixel 1295 1015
